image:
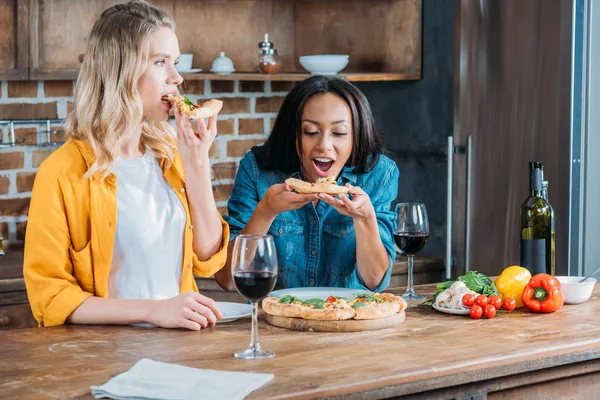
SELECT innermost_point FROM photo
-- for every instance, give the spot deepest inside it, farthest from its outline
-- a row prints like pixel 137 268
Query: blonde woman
pixel 123 215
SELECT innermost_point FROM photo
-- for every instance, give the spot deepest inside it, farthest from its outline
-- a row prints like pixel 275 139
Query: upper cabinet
pixel 57 32
pixel 382 37
pixel 14 42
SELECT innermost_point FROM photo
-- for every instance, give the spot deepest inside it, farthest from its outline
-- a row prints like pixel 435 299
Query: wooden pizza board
pixel 349 325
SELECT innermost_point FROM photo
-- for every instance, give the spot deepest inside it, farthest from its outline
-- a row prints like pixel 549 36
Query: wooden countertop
pixel 430 352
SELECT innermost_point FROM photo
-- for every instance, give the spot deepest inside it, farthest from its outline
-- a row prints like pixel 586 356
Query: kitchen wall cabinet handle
pixel 469 178
pixel 468 205
pixel 449 210
pixel 4 320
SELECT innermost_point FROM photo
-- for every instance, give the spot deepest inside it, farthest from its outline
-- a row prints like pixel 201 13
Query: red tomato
pixel 510 304
pixel 476 312
pixel 331 299
pixel 481 300
pixel 468 300
pixel 495 301
pixel 489 311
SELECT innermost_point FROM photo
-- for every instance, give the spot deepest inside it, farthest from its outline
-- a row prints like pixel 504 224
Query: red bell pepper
pixel 543 294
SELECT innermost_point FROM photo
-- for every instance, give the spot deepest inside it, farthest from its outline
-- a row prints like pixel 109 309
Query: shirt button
pixel 191 265
pixel 343 231
pixel 280 230
pixel 191 226
pixel 182 190
pixel 314 252
pixel 311 283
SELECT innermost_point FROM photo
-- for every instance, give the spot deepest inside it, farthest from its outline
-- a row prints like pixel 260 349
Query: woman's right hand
pixel 190 310
pixel 279 198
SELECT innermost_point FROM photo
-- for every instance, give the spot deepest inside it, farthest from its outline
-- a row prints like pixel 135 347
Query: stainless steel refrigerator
pixel 513 97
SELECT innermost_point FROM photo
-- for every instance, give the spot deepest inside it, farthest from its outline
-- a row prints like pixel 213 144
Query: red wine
pixel 410 243
pixel 255 285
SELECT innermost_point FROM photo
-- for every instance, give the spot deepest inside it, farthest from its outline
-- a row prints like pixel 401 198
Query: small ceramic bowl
pixel 324 64
pixel 574 291
pixel 222 65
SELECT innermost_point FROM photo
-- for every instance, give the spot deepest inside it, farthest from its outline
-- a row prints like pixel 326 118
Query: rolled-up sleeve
pixel 52 289
pixel 382 202
pixel 217 261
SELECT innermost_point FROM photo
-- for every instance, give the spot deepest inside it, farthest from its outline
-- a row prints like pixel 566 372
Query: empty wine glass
pixel 412 232
pixel 254 271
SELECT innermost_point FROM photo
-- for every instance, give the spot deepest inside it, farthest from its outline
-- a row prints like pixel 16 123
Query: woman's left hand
pixel 360 207
pixel 194 145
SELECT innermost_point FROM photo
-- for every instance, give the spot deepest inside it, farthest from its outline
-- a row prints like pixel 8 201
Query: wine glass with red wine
pixel 254 270
pixel 412 232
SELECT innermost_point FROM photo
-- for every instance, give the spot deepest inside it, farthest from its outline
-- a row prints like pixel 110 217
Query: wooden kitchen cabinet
pixel 382 37
pixel 14 43
pixel 15 311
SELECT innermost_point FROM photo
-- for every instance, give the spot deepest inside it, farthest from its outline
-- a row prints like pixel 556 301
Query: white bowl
pixel 574 291
pixel 324 64
pixel 222 65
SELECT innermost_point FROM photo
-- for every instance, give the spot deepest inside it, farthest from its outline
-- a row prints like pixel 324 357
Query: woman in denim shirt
pixel 325 127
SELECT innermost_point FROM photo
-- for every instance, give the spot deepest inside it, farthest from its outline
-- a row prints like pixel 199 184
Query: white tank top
pixel 148 246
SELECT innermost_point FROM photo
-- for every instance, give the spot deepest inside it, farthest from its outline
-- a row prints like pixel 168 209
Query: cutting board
pixel 350 325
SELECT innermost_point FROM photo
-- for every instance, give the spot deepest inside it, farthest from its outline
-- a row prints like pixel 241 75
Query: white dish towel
pixel 149 379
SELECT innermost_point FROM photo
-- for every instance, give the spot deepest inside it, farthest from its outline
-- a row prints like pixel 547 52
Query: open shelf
pixel 294 77
pixel 383 38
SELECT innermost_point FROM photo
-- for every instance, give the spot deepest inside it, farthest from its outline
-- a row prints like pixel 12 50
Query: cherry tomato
pixel 476 312
pixel 489 311
pixel 495 301
pixel 510 304
pixel 468 300
pixel 331 299
pixel 481 300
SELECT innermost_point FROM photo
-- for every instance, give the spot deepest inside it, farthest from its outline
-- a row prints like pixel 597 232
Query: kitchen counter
pixel 430 355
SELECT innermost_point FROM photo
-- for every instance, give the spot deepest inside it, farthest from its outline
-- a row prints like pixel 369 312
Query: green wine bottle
pixel 537 227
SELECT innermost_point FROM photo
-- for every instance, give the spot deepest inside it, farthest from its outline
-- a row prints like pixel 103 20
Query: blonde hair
pixel 108 106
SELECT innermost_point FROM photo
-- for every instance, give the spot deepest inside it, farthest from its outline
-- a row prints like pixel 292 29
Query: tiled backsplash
pixel 249 111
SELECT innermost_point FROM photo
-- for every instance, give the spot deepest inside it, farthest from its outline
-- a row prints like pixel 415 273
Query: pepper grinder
pixel 268 60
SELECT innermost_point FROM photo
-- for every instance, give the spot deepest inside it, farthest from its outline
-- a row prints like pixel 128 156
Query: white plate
pixel 233 311
pixel 451 310
pixel 305 293
pixel 190 71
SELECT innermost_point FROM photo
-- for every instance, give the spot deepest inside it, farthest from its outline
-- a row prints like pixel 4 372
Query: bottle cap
pixel 265 44
pixel 268 51
pixel 536 165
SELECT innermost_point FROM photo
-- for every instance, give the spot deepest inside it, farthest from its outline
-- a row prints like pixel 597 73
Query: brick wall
pixel 248 113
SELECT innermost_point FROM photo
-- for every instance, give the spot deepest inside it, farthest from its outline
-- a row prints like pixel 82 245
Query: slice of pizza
pixel 388 297
pixel 195 111
pixel 322 185
pixel 331 309
pixel 377 305
pixel 286 306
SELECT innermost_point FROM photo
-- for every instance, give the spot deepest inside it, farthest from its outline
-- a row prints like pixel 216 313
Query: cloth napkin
pixel 149 379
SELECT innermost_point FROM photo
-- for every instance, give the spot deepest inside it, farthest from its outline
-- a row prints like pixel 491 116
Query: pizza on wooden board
pixel 363 306
pixel 195 111
pixel 322 185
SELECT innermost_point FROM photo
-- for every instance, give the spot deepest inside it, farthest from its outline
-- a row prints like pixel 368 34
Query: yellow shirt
pixel 71 230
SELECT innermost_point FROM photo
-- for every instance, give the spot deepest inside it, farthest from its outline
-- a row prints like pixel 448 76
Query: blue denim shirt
pixel 316 246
